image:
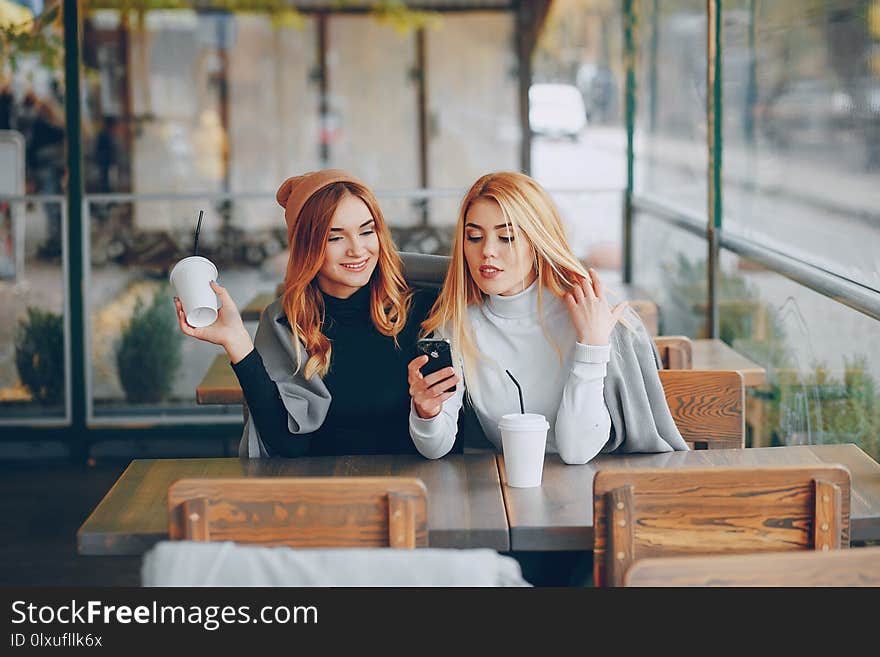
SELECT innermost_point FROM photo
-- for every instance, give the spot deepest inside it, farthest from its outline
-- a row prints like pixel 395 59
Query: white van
pixel 556 110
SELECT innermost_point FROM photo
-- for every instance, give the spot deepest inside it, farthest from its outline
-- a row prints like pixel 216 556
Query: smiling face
pixel 499 259
pixel 352 249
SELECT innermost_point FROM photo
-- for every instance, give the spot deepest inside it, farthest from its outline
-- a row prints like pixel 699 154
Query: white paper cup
pixel 523 440
pixel 191 278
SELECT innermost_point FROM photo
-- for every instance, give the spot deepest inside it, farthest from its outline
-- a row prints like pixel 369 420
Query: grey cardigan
pixel 640 417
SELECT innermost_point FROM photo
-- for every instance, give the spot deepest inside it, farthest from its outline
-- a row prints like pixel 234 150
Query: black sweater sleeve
pixel 267 409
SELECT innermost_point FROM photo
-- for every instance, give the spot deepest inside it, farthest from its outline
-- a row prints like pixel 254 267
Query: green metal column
pixel 752 84
pixel 323 88
pixel 75 230
pixel 652 63
pixel 630 25
pixel 525 40
pixel 713 114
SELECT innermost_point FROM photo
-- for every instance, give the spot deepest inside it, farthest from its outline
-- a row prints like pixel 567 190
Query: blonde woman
pixel 325 372
pixel 516 298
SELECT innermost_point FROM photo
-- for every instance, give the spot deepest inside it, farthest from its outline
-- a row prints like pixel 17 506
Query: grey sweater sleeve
pixel 640 417
pixel 306 400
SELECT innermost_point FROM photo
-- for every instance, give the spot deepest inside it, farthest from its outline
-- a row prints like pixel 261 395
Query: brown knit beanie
pixel 295 191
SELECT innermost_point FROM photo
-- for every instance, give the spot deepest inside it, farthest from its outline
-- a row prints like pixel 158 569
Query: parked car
pixel 556 110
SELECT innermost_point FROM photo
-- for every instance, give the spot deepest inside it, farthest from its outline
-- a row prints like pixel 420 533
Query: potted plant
pixel 39 355
pixel 149 351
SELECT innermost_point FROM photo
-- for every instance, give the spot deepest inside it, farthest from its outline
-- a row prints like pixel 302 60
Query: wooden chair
pixel 707 406
pixel 856 567
pixel 301 511
pixel 648 313
pixel 676 351
pixel 639 513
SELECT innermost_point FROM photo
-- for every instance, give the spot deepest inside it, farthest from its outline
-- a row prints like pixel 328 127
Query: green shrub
pixel 149 351
pixel 39 355
pixel 799 403
pixel 684 309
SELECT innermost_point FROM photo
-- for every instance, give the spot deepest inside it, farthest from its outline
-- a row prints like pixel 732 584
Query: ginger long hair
pixel 528 208
pixel 390 297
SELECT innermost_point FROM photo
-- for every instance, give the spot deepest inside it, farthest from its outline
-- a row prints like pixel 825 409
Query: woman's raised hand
pixel 427 391
pixel 590 313
pixel 228 330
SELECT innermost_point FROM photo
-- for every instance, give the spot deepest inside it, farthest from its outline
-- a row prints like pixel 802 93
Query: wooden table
pixel 559 514
pixel 219 385
pixel 718 355
pixel 465 507
pixel 252 311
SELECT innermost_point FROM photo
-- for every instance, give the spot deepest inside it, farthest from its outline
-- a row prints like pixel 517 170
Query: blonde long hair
pixel 390 297
pixel 528 208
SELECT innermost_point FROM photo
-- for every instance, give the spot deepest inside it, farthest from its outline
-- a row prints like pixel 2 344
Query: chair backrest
pixel 639 513
pixel 707 406
pixel 423 270
pixel 676 351
pixel 856 567
pixel 649 314
pixel 301 511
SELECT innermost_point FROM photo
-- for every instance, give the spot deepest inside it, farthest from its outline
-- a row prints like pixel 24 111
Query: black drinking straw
pixel 522 409
pixel 198 228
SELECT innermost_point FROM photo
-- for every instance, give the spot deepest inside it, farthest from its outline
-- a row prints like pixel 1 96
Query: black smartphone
pixel 439 353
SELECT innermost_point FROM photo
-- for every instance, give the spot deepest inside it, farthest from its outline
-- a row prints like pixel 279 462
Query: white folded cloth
pixel 191 563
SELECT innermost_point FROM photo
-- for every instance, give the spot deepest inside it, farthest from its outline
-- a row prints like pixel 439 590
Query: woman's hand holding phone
pixel 228 331
pixel 429 392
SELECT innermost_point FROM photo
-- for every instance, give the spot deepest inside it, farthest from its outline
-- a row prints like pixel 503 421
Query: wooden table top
pixel 252 311
pixel 465 507
pixel 718 355
pixel 558 515
pixel 220 385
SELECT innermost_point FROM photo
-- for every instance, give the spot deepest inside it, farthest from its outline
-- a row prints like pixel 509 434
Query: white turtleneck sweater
pixel 569 393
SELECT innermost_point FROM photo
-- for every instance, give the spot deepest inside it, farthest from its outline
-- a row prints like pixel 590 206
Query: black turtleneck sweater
pixel 367 380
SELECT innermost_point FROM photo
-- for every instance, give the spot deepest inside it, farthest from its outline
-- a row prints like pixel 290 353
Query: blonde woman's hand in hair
pixel 228 330
pixel 427 392
pixel 590 313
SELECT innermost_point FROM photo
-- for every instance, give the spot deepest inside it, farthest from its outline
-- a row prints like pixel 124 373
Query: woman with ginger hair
pixel 325 373
pixel 516 298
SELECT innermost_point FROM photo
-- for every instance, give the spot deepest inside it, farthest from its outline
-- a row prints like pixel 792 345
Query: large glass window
pixel 670 128
pixel 372 124
pixel 34 323
pixel 802 131
pixel 472 111
pixel 822 360
pixel 670 264
pixel 195 109
pixel 577 123
pixel 198 111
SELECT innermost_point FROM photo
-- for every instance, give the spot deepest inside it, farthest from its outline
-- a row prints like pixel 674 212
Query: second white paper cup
pixel 523 441
pixel 191 278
